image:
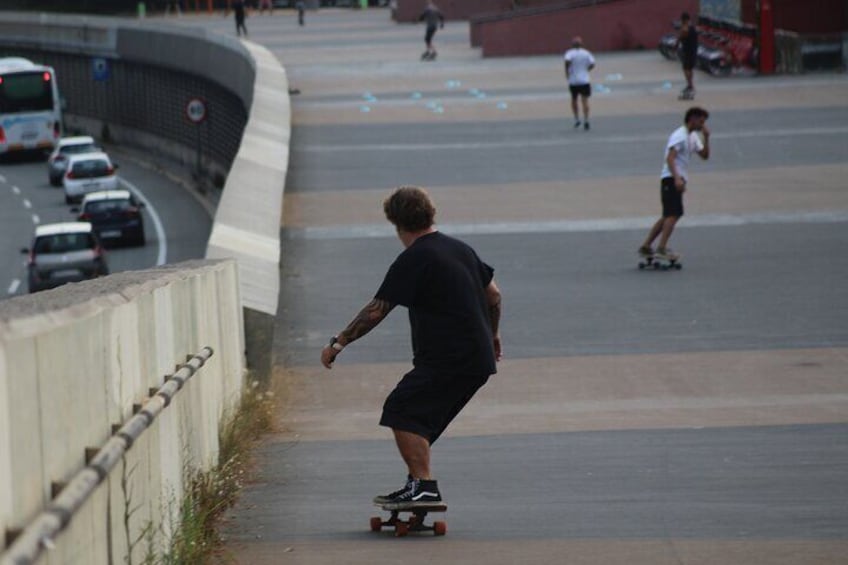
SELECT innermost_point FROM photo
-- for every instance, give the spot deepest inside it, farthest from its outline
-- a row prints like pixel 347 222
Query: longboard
pixel 658 263
pixel 414 523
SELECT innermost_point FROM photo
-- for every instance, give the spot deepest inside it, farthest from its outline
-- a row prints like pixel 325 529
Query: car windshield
pixel 91 168
pixel 77 148
pixel 63 243
pixel 104 206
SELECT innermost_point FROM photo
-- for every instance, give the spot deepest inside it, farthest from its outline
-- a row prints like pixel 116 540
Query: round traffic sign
pixel 195 110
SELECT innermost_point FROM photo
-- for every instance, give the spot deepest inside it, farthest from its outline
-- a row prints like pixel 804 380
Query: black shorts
pixel 425 402
pixel 688 61
pixel 580 90
pixel 428 35
pixel 672 199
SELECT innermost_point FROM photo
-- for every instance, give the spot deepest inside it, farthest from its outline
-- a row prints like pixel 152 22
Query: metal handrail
pixel 41 532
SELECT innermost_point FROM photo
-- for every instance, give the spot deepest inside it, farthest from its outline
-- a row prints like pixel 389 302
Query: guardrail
pixel 28 544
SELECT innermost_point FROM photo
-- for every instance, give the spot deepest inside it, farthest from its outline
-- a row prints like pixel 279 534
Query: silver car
pixel 88 172
pixel 57 163
pixel 63 253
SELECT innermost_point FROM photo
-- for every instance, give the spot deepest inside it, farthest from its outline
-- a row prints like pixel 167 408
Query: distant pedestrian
pixel 578 63
pixel 687 43
pixel 682 143
pixel 266 5
pixel 301 9
pixel 239 11
pixel 173 5
pixel 434 19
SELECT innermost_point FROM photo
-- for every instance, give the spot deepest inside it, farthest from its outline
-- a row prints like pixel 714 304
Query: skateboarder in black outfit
pixel 434 19
pixel 454 312
pixel 687 39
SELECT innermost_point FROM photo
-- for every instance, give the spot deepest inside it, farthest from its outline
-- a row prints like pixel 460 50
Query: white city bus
pixel 30 109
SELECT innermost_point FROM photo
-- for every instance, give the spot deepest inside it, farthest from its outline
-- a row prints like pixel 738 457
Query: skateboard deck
pixel 658 263
pixel 687 95
pixel 415 522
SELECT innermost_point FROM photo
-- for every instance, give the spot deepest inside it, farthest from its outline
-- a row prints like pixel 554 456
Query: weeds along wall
pixel 74 361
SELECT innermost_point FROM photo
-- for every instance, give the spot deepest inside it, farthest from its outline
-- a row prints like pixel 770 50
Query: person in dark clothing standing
pixel 301 7
pixel 687 41
pixel 454 313
pixel 434 19
pixel 239 11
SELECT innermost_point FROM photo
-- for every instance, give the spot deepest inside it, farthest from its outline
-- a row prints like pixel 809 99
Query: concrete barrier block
pixel 21 459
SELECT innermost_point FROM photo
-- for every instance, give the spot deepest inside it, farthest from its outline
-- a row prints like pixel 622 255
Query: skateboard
pixel 429 56
pixel 414 523
pixel 659 263
pixel 686 95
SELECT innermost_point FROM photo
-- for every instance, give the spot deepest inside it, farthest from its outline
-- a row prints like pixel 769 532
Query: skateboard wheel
pixel 440 528
pixel 678 266
pixel 376 524
pixel 401 529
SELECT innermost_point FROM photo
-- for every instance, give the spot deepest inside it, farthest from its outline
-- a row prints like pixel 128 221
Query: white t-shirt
pixel 685 144
pixel 580 60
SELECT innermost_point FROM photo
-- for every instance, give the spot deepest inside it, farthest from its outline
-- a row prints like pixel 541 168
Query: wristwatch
pixel 334 343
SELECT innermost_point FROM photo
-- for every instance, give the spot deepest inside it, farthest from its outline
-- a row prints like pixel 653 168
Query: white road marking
pixel 35 219
pixel 13 288
pixel 561 141
pixel 16 190
pixel 369 231
pixel 2 179
pixel 162 258
pixel 27 204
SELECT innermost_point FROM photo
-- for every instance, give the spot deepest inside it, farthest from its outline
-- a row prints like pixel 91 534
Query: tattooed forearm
pixel 493 297
pixel 495 314
pixel 367 319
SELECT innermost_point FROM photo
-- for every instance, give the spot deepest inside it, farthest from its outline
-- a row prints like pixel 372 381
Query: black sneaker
pixel 384 498
pixel 576 124
pixel 586 126
pixel 421 493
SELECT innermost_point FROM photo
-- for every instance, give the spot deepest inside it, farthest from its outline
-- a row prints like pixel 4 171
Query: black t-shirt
pixel 689 42
pixel 442 282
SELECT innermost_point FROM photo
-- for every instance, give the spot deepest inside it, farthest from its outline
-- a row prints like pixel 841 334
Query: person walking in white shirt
pixel 578 63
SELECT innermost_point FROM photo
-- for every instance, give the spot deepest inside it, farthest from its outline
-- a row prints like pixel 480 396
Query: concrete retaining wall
pixel 605 26
pixel 74 360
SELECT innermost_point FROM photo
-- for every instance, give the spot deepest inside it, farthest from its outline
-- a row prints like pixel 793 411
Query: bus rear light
pixel 2 135
pixel 47 77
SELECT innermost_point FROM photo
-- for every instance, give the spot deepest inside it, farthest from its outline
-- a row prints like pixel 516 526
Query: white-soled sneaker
pixel 421 493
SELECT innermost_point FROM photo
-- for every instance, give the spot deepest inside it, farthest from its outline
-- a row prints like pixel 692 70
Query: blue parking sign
pixel 100 69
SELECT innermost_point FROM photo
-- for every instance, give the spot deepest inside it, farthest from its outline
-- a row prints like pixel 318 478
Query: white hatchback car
pixel 88 172
pixel 57 163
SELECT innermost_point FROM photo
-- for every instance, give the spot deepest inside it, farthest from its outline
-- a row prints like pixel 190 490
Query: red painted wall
pixel 409 10
pixel 810 16
pixel 611 26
